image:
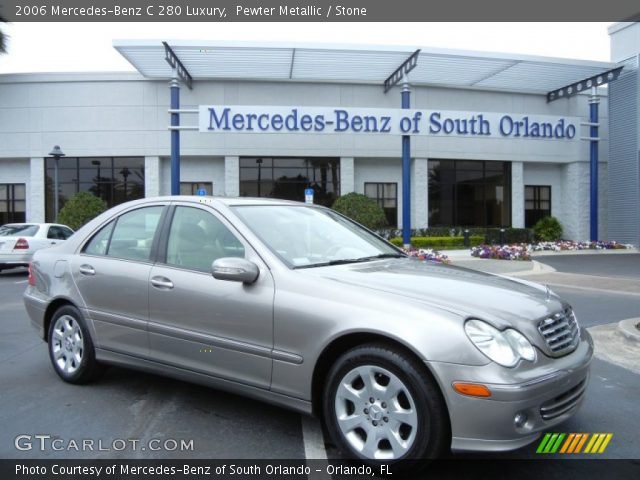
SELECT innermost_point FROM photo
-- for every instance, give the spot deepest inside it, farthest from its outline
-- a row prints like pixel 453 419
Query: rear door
pixel 112 275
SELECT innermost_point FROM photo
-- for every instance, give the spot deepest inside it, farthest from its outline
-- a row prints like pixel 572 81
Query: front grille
pixel 560 332
pixel 563 403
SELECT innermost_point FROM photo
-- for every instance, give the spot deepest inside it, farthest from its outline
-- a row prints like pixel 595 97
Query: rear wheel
pixel 380 406
pixel 70 347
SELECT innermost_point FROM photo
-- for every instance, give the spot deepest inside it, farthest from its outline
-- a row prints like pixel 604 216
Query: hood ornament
pixel 548 292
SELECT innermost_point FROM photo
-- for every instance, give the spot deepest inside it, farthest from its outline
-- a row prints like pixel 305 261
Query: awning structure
pixel 360 64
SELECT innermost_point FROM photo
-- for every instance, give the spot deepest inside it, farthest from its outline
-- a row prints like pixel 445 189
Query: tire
pixel 406 422
pixel 70 347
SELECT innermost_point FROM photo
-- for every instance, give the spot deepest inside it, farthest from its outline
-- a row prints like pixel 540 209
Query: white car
pixel 18 241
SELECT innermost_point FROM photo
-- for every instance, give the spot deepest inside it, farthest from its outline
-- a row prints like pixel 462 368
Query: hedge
pixel 491 236
pixel 442 243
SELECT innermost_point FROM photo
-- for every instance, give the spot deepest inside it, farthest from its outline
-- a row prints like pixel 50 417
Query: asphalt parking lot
pixel 126 404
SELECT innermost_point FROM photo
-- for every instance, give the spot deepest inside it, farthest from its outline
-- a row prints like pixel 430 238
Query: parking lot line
pixel 21 281
pixel 314 448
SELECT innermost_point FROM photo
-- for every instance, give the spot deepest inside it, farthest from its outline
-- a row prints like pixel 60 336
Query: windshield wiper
pixel 344 261
pixel 384 255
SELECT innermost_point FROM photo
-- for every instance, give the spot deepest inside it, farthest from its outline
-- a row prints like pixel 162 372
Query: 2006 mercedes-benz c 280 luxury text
pixel 299 306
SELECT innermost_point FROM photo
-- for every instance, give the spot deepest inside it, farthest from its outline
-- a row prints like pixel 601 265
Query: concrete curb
pixel 629 330
pixel 621 251
pixel 538 269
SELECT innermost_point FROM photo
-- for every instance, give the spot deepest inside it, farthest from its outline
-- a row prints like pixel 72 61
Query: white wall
pixel 198 169
pixel 379 170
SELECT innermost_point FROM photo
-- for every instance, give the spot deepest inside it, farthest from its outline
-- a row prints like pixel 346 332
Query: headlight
pixel 505 348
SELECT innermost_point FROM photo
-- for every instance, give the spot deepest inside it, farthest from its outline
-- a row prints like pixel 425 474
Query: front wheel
pixel 70 347
pixel 381 406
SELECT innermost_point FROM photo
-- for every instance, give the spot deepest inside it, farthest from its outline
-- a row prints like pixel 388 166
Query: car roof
pixel 227 201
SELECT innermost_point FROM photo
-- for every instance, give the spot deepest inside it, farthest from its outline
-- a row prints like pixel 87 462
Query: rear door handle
pixel 162 283
pixel 87 270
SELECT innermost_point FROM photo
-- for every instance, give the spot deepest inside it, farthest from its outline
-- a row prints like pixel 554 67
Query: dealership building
pixel 487 148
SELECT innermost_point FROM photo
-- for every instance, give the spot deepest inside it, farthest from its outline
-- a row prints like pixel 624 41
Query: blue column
pixel 174 86
pixel 593 153
pixel 406 172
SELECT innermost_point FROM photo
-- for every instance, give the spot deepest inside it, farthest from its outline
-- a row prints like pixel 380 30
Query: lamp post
pixel 125 172
pixel 259 162
pixel 56 153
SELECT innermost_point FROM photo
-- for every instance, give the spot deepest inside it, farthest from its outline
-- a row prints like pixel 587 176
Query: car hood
pixel 501 300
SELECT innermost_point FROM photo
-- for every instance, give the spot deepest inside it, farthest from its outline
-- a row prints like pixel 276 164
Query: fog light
pixel 520 419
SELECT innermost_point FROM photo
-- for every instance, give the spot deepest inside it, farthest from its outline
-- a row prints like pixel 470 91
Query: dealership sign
pixel 345 120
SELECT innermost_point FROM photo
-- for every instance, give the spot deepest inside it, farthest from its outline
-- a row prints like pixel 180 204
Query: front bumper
pixel 548 392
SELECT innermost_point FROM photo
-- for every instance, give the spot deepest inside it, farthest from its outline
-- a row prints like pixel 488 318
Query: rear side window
pixel 133 234
pixel 59 233
pixel 100 241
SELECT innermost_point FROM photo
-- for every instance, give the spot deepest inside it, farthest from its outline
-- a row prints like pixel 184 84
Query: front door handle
pixel 162 283
pixel 87 270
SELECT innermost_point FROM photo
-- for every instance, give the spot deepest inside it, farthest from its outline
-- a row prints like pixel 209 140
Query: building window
pixel 474 193
pixel 386 195
pixel 12 203
pixel 114 179
pixel 287 178
pixel 537 203
pixel 191 188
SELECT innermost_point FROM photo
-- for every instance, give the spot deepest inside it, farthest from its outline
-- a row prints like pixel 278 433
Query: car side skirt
pixel 128 361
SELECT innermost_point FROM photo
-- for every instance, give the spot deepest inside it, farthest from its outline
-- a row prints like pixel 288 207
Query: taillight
pixel 32 277
pixel 21 244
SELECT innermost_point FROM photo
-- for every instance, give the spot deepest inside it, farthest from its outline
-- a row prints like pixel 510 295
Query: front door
pixel 216 327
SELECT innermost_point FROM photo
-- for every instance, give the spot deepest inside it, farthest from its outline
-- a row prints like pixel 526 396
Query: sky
pixel 76 47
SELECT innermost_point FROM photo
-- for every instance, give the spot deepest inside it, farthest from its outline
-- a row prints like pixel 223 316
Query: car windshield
pixel 24 230
pixel 306 237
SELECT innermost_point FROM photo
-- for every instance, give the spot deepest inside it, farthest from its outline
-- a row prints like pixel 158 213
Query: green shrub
pixel 361 209
pixel 81 208
pixel 491 235
pixel 548 229
pixel 439 243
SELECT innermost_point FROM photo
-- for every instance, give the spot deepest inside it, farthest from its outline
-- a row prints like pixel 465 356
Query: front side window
pixel 197 238
pixel 133 234
pixel 308 237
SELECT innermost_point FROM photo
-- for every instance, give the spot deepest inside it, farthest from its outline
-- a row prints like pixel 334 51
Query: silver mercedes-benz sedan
pixel 297 305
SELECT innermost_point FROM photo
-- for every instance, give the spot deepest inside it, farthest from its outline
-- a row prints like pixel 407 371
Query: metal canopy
pixel 356 64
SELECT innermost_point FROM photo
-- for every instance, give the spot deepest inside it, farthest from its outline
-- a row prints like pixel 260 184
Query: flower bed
pixel 427 255
pixel 561 245
pixel 504 252
pixel 524 251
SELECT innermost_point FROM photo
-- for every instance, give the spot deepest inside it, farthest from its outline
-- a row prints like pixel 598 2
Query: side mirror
pixel 235 269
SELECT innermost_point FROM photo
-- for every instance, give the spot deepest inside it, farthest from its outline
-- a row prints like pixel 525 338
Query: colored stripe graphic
pixel 544 441
pixel 573 443
pixel 568 442
pixel 583 439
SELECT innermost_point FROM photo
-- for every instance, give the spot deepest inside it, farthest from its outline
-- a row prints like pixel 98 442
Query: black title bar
pixel 316 10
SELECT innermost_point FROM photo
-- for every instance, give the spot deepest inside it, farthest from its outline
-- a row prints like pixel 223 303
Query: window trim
pixel 377 198
pixel 154 243
pixel 536 201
